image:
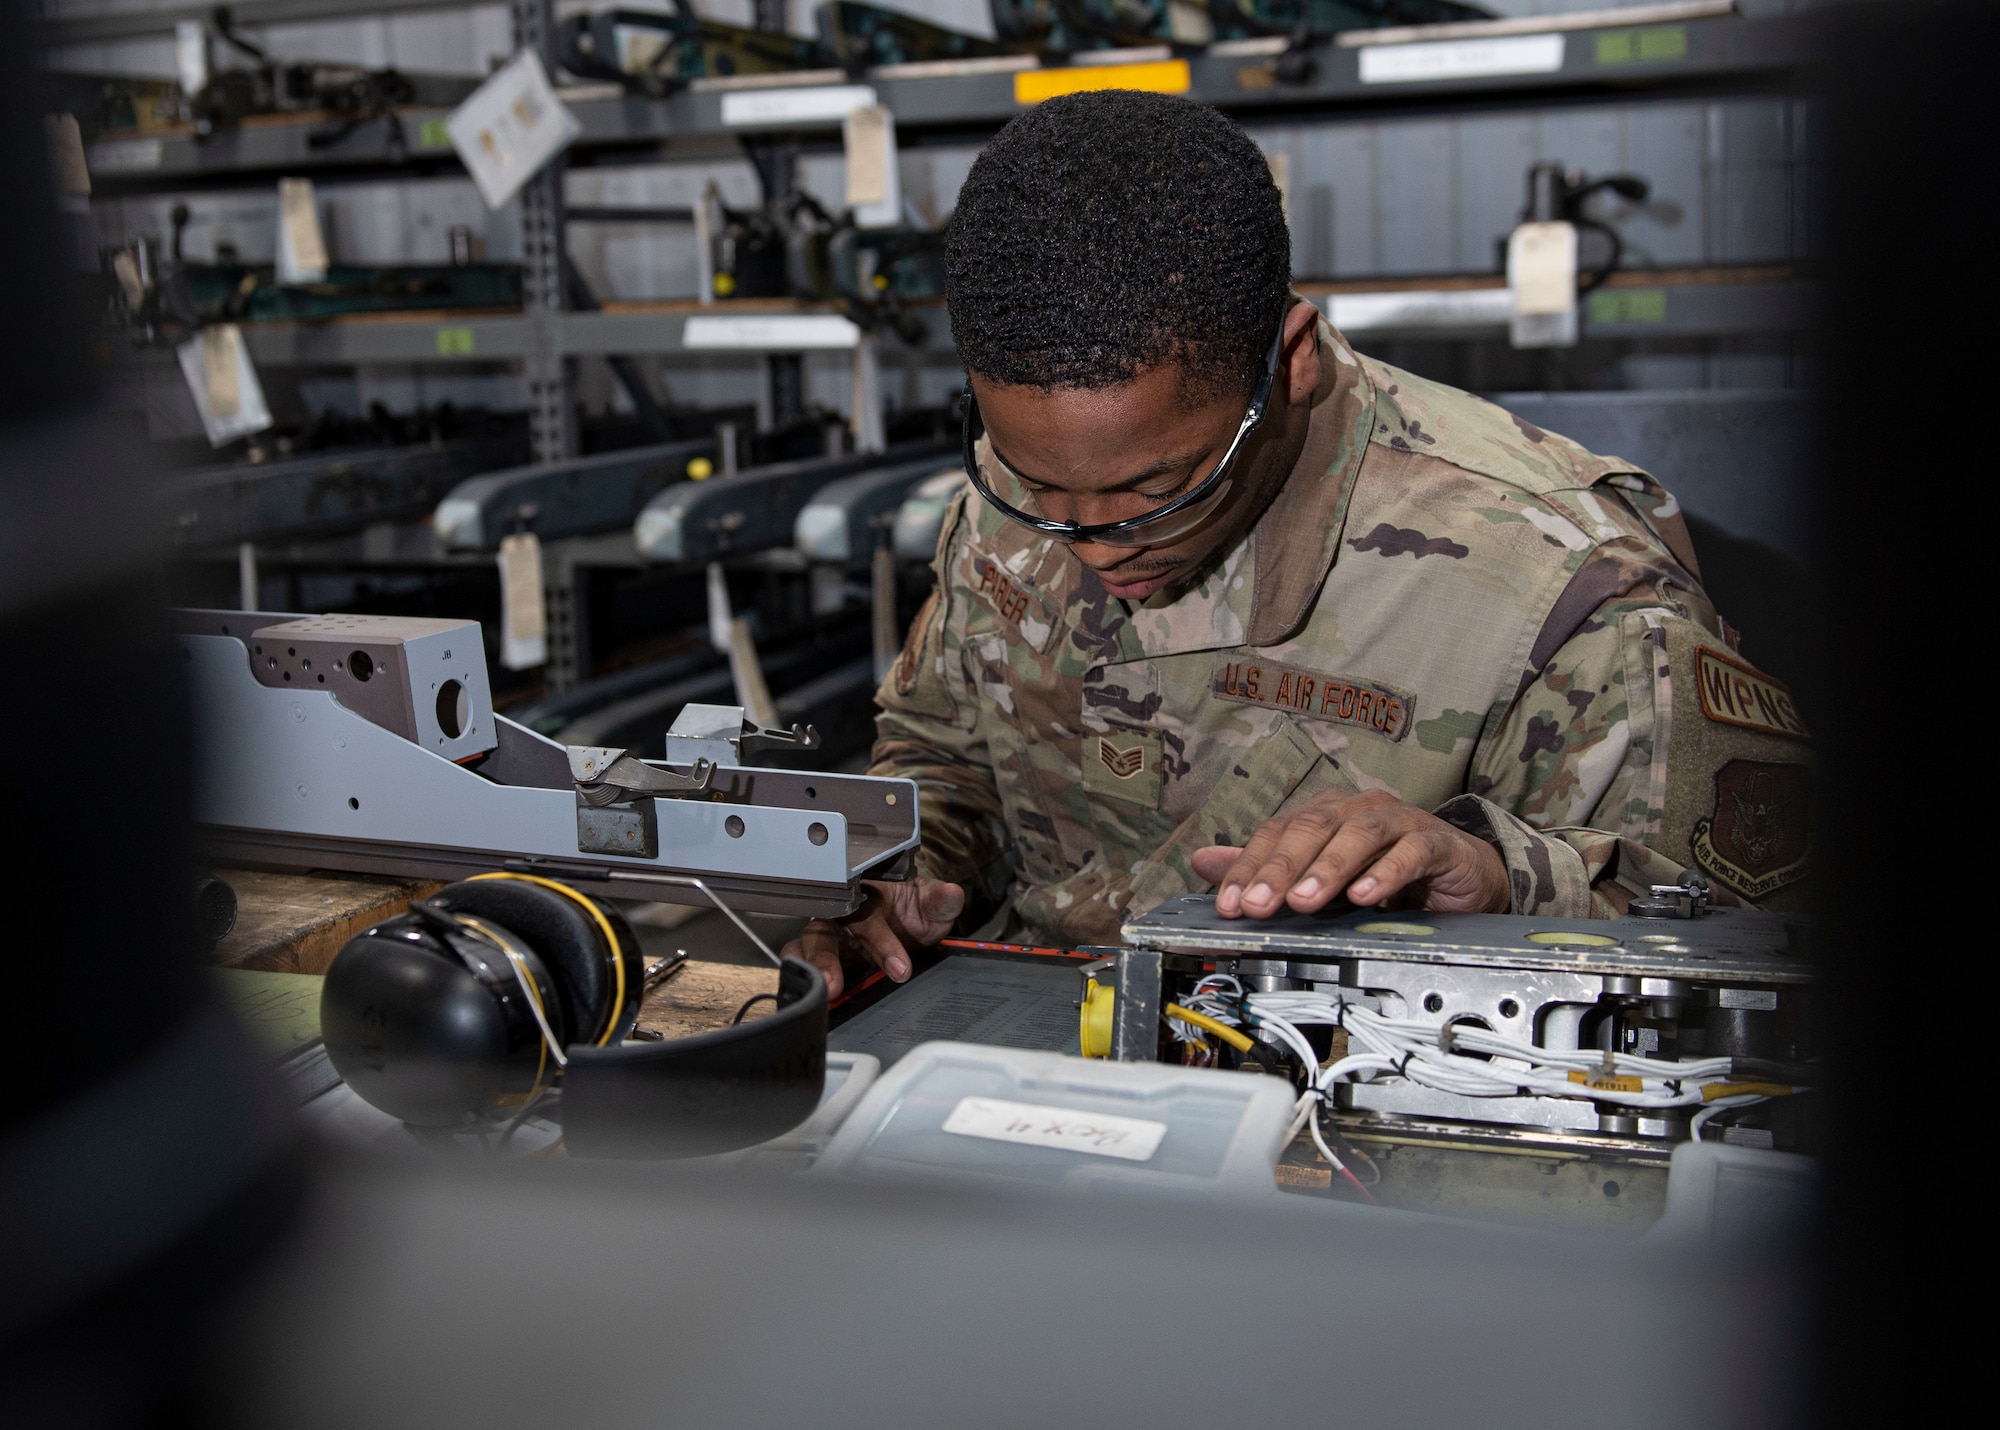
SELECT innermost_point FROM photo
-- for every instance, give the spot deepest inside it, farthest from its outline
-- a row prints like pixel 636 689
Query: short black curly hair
pixel 1101 234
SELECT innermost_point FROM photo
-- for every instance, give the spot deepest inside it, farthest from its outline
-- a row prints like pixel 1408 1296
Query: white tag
pixel 216 364
pixel 510 127
pixel 125 156
pixel 788 333
pixel 1461 59
pixel 524 621
pixel 72 174
pixel 874 188
pixel 191 55
pixel 821 103
pixel 301 245
pixel 1541 267
pixel 1099 1134
pixel 1280 165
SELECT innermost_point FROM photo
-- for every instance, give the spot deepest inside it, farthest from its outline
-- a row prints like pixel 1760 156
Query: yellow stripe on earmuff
pixel 615 953
pixel 513 955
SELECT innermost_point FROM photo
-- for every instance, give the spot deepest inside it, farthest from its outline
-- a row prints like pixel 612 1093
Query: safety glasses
pixel 1168 522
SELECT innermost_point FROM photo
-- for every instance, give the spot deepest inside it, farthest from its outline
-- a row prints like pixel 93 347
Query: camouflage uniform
pixel 1443 602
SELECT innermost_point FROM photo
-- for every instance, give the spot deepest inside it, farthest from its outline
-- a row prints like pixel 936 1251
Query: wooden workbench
pixel 296 923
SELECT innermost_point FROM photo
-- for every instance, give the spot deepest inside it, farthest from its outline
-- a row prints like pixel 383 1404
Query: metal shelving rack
pixel 1695 47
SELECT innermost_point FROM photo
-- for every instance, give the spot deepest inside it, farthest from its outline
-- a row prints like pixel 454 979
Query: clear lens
pixel 1012 491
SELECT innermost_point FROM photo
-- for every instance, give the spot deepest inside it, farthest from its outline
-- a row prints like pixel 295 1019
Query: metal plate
pixel 1724 945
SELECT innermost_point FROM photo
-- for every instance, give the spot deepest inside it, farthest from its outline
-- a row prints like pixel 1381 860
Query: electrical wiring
pixel 1467 1060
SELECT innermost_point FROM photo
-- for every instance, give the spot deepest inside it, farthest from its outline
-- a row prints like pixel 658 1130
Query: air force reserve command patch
pixel 1315 694
pixel 1755 838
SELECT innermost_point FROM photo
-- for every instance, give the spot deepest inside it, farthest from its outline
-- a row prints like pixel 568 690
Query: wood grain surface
pixel 296 923
pixel 705 996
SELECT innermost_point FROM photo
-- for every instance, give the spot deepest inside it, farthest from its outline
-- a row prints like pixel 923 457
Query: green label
pixel 454 342
pixel 1656 42
pixel 434 134
pixel 1628 305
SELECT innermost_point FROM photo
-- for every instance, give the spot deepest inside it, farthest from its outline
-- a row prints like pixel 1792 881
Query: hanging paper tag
pixel 191 55
pixel 1541 274
pixel 1280 164
pixel 524 621
pixel 874 187
pixel 301 245
pixel 510 127
pixel 216 364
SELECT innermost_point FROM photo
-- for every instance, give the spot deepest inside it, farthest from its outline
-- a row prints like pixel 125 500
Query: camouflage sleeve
pixel 1612 770
pixel 929 730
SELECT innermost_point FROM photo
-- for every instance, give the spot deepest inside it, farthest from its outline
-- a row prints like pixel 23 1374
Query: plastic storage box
pixel 968 1113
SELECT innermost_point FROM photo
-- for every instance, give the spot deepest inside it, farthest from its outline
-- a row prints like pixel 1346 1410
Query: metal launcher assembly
pixel 370 743
pixel 1645 1026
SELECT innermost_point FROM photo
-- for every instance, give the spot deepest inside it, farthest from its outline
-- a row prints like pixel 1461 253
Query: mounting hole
pixel 359 665
pixel 1433 1003
pixel 811 793
pixel 291 650
pixel 320 678
pixel 288 675
pixel 258 649
pixel 1509 1008
pixel 733 826
pixel 816 833
pixel 1611 1191
pixel 353 803
pixel 454 709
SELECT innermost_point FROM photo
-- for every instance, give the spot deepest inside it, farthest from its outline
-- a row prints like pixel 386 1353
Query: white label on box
pixel 1098 1134
pixel 821 103
pixel 125 156
pixel 510 127
pixel 1461 59
pixel 788 332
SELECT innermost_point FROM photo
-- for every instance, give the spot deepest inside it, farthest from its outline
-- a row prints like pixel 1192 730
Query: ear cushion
pixel 568 932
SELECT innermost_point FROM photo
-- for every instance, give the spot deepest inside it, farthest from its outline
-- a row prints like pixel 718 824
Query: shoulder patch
pixel 1364 704
pixel 1733 693
pixel 1755 837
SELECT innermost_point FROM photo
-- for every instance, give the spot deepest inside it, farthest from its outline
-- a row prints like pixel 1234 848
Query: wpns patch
pixel 1755 839
pixel 1123 764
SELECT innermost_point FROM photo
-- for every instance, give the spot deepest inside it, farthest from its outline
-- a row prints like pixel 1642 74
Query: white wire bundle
pixel 1437 1058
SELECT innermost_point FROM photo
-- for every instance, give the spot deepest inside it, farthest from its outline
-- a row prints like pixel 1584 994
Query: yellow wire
pixel 604 927
pixel 1710 1091
pixel 1223 1031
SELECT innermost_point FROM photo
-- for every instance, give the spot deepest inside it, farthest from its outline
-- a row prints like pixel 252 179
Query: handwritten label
pixel 1461 59
pixel 1096 1134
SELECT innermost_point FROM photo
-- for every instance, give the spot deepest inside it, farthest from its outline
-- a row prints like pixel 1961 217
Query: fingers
pixel 1212 863
pixel 1307 858
pixel 819 944
pixel 920 910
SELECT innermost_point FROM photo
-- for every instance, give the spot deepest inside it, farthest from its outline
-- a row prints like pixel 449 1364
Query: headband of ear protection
pixel 505 987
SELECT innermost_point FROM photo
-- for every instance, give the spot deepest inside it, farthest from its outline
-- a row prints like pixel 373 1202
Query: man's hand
pixel 893 918
pixel 1372 847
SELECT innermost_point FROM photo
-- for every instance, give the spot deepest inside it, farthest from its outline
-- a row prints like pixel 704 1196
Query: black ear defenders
pixel 506 988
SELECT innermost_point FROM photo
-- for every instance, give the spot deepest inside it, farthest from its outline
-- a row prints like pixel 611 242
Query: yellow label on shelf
pixel 434 134
pixel 454 342
pixel 1160 77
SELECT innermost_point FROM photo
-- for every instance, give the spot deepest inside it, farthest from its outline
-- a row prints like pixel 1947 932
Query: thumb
pixel 922 910
pixel 1213 862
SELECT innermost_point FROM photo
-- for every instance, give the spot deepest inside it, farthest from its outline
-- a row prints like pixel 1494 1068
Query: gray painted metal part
pixel 839 523
pixel 297 778
pixel 567 498
pixel 752 510
pixel 920 519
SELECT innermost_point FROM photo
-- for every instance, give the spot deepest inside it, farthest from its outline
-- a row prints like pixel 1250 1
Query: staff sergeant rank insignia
pixel 1361 703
